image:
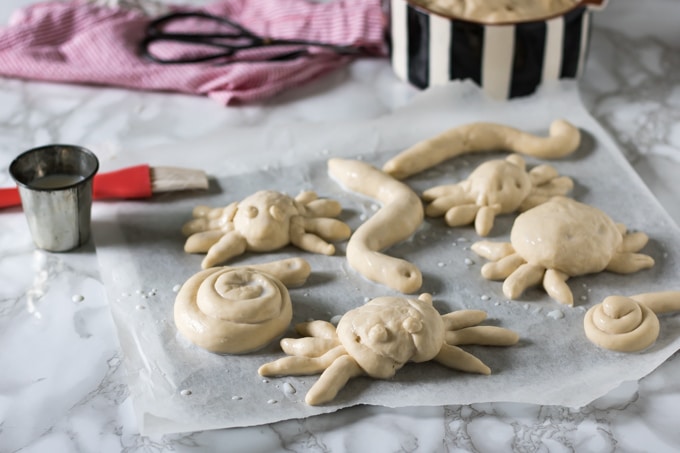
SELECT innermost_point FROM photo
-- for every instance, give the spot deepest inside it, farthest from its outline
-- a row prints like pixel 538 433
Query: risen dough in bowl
pixel 497 11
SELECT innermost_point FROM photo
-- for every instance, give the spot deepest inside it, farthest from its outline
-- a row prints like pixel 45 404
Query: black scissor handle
pixel 227 44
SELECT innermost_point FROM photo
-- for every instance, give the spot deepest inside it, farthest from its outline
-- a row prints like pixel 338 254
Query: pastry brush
pixel 140 181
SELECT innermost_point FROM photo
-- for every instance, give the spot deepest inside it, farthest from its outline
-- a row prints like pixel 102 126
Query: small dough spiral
pixel 233 310
pixel 629 324
pixel 621 324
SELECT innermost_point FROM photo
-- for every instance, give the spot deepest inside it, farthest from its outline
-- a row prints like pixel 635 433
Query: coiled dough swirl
pixel 233 310
pixel 621 324
pixel 629 324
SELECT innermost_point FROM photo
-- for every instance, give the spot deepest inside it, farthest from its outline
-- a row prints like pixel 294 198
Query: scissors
pixel 226 44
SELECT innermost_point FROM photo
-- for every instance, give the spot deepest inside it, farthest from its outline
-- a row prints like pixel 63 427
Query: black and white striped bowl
pixel 507 60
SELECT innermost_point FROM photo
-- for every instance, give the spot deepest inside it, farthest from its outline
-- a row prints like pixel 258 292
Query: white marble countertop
pixel 63 388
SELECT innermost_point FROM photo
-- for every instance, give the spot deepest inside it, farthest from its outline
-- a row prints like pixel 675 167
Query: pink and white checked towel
pixel 81 43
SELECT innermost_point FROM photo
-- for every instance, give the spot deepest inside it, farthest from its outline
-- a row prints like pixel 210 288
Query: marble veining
pixel 62 385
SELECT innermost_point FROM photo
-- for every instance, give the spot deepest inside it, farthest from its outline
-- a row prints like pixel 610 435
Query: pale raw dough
pixel 235 310
pixel 628 324
pixel 496 11
pixel 498 186
pixel 558 240
pixel 263 222
pixel 379 338
pixel 564 139
pixel 385 334
pixel 571 237
pixel 398 218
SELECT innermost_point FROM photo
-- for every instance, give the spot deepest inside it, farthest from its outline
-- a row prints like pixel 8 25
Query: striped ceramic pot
pixel 507 60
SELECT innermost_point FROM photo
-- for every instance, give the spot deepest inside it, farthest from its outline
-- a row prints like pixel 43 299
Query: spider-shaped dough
pixel 557 240
pixel 263 222
pixel 499 186
pixel 379 338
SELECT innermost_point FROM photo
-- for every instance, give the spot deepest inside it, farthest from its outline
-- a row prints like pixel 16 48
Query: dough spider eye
pixel 277 213
pixel 412 325
pixel 252 212
pixel 378 333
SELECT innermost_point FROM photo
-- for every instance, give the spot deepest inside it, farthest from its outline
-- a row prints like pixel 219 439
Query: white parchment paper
pixel 178 387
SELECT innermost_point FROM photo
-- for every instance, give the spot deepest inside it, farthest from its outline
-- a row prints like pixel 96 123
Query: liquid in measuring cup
pixel 56 181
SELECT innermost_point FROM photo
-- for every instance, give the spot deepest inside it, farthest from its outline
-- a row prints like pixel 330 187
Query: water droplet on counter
pixel 236 398
pixel 440 264
pixel 140 307
pixel 555 314
pixel 468 262
pixel 272 401
pixel 185 392
pixel 176 287
pixel 288 389
pixel 265 381
pixel 77 298
pixel 484 297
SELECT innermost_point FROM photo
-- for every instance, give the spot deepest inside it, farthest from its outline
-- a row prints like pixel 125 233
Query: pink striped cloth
pixel 81 43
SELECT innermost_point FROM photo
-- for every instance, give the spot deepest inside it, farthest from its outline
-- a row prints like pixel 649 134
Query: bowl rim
pixel 592 4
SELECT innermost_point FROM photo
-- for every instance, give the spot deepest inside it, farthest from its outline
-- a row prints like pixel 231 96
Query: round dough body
pixel 387 332
pixel 232 310
pixel 566 235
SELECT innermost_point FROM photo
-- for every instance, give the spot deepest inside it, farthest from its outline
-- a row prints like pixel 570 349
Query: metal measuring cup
pixel 55 185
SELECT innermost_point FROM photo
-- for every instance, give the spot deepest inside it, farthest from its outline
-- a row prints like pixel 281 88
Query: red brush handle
pixel 126 183
pixel 130 182
pixel 9 197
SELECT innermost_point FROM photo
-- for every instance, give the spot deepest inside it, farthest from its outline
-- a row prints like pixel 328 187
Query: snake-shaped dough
pixel 399 217
pixel 234 310
pixel 563 140
pixel 628 324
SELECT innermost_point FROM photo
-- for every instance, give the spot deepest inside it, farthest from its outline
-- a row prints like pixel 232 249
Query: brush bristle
pixel 171 179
